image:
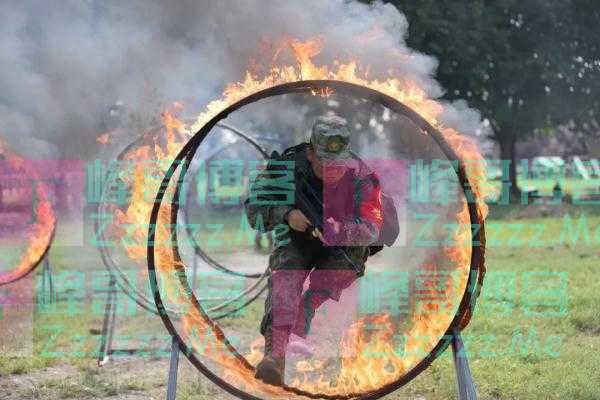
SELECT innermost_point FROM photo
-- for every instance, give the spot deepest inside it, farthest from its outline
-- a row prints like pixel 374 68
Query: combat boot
pixel 271 369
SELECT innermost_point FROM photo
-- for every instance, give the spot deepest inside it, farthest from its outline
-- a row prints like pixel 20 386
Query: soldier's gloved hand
pixel 297 220
pixel 336 226
pixel 318 234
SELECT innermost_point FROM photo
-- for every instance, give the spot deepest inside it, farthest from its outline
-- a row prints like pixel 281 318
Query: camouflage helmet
pixel 330 137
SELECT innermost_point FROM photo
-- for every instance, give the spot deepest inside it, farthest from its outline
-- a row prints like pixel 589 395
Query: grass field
pixel 514 353
pixel 535 333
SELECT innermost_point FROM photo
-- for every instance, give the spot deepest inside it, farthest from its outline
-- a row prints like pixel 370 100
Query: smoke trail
pixel 64 64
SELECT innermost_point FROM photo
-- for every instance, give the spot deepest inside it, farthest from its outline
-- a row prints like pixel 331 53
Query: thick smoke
pixel 64 64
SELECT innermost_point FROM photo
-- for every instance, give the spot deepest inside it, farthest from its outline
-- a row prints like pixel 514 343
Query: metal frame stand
pixel 173 369
pixel 108 325
pixel 466 386
pixel 47 276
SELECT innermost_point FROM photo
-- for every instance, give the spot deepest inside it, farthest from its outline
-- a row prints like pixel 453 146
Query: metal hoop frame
pixel 35 264
pixel 197 249
pixel 140 298
pixel 307 87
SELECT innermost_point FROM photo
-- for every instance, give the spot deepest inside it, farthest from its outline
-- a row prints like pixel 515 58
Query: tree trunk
pixel 507 154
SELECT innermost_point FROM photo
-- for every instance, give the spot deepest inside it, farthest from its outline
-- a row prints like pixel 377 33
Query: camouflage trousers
pixel 287 304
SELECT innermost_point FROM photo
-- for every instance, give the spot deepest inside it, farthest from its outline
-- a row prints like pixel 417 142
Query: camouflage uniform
pixel 297 253
pixel 290 265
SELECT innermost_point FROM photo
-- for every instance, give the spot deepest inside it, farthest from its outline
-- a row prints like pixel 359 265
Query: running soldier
pixel 312 235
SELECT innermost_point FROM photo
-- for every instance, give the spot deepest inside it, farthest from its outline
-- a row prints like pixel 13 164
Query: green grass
pixel 570 185
pixel 22 365
pixel 503 338
pixel 560 361
pixel 574 187
pixel 88 384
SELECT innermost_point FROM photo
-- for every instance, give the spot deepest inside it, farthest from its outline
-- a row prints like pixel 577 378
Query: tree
pixel 581 41
pixel 511 60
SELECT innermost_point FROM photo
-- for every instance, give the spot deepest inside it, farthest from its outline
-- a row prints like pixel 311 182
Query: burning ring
pixel 165 261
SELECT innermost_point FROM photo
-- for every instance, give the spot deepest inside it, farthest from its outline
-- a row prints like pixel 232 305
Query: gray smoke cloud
pixel 65 63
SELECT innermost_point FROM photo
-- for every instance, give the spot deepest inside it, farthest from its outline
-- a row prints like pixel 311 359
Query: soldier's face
pixel 333 171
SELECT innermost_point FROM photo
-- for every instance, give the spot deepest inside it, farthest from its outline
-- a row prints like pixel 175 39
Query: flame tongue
pixel 104 138
pixel 40 233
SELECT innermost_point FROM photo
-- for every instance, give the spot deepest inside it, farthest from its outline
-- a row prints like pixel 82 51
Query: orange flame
pixel 40 234
pixel 104 139
pixel 358 372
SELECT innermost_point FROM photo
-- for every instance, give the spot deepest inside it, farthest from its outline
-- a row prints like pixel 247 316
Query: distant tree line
pixel 528 66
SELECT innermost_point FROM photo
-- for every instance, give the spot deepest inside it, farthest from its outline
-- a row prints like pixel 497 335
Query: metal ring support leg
pixel 108 324
pixel 173 366
pixel 466 386
pixel 50 283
